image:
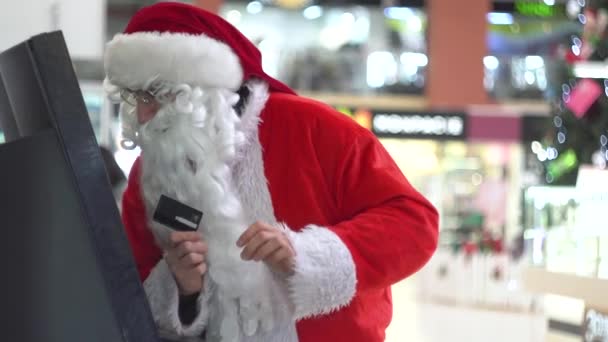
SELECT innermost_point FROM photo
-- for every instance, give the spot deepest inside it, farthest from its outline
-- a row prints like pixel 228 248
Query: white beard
pixel 187 155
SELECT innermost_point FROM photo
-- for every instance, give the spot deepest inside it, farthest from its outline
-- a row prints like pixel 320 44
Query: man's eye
pixel 145 97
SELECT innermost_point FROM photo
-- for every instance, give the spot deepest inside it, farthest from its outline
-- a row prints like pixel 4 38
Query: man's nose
pixel 145 112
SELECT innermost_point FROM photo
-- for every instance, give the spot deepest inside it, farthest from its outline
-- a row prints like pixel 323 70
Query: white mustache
pixel 193 107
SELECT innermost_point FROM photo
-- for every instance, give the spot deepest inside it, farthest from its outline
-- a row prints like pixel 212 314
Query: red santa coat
pixel 324 171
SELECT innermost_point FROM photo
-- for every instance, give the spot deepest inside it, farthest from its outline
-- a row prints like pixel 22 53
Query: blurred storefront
pixel 526 52
pixel 354 49
pixel 469 164
pixel 466 163
pixel 376 48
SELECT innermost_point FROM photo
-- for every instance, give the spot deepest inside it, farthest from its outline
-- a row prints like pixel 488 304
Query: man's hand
pixel 264 242
pixel 186 259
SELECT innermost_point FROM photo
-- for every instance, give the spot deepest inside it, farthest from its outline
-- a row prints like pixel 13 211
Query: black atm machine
pixel 68 274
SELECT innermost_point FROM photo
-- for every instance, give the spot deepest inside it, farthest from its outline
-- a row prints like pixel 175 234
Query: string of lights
pixel 578 132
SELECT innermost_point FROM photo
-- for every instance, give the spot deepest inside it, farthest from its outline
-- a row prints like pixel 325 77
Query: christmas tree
pixel 578 130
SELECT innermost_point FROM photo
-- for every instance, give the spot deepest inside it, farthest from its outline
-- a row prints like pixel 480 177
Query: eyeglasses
pixel 135 97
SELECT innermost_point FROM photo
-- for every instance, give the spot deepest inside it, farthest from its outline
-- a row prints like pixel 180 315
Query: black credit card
pixel 176 215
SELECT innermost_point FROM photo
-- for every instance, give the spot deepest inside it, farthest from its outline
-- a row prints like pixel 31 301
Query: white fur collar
pixel 250 117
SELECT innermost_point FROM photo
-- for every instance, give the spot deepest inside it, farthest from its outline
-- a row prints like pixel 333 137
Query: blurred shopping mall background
pixel 497 111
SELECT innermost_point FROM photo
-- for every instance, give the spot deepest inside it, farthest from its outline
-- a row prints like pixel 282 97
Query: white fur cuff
pixel 325 277
pixel 163 297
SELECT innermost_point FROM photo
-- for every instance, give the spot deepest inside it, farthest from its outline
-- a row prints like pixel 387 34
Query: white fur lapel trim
pixel 132 60
pixel 325 277
pixel 250 121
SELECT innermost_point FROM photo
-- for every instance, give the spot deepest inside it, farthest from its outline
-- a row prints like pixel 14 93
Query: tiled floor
pixel 417 321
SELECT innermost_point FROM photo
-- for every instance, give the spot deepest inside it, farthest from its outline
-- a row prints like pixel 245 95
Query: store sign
pixel 595 327
pixel 429 125
pixel 538 8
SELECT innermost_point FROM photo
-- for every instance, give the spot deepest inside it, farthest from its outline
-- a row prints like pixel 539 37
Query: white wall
pixel 82 22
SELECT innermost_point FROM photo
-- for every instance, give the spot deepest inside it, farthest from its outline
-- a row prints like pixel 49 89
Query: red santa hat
pixel 180 43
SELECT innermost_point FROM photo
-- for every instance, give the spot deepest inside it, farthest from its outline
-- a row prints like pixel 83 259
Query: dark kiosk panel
pixel 68 272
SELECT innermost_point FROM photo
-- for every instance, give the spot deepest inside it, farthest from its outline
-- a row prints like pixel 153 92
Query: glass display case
pixel 565 228
pixel 566 238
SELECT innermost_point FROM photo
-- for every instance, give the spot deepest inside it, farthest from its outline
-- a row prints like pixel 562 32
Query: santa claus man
pixel 306 222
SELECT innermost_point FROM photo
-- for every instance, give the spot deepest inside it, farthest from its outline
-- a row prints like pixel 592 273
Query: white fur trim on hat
pixel 132 60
